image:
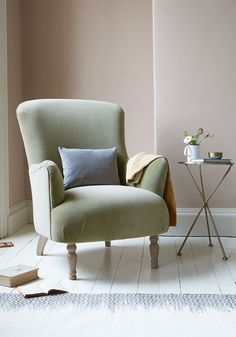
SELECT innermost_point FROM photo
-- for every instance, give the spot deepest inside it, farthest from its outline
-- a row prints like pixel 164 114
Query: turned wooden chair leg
pixel 154 250
pixel 72 260
pixel 41 244
pixel 108 243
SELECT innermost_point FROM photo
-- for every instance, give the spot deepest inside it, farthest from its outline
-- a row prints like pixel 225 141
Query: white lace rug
pixel 114 315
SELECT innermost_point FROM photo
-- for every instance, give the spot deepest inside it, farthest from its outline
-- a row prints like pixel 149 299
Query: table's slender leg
pixel 205 205
pixel 212 220
pixel 197 216
pixel 190 230
pixel 217 234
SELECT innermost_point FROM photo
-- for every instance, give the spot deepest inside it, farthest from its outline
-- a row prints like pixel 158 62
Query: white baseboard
pixel 29 212
pixel 225 220
pixel 20 215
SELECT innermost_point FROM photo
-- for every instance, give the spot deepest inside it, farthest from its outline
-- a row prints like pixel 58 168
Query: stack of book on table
pixel 211 161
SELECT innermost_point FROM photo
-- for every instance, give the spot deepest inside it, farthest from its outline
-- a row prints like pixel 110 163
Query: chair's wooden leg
pixel 108 243
pixel 72 260
pixel 41 244
pixel 154 250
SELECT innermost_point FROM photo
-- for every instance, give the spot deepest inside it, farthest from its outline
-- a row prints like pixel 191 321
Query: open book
pixel 41 289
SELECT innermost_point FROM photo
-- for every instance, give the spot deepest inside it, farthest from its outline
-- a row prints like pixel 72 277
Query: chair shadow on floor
pixel 132 259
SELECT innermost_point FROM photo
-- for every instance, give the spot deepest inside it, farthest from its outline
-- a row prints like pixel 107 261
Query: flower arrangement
pixel 196 138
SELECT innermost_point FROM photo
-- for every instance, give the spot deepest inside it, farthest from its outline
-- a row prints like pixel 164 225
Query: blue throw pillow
pixel 83 167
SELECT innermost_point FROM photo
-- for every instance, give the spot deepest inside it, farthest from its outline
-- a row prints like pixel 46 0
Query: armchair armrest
pixel 154 177
pixel 47 192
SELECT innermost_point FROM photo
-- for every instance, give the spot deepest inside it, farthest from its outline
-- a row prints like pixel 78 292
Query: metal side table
pixel 205 207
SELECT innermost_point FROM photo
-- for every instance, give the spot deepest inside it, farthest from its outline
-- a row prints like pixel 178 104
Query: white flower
pixel 187 139
pixel 211 135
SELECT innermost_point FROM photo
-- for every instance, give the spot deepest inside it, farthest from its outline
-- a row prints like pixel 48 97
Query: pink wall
pixel 103 50
pixel 80 49
pixel 16 151
pixel 196 87
pixel 93 50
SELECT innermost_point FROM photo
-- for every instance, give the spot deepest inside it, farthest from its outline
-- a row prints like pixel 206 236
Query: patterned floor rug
pixel 120 315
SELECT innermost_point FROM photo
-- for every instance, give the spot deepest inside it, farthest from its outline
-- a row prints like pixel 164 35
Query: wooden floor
pixel 125 267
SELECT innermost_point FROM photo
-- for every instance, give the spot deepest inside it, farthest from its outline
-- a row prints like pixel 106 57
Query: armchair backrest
pixel 48 123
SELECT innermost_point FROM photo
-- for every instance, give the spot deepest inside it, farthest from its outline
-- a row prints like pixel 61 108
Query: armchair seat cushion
pixel 108 212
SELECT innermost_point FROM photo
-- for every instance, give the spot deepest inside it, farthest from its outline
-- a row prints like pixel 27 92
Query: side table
pixel 205 206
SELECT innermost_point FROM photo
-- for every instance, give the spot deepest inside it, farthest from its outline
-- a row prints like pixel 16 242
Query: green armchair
pixel 95 212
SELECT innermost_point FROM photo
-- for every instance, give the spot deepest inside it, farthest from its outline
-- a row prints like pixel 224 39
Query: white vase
pixel 192 152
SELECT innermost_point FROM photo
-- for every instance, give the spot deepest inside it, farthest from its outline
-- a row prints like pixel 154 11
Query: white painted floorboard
pixel 125 267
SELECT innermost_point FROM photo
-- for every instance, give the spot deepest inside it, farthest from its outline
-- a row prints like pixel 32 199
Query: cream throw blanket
pixel 134 171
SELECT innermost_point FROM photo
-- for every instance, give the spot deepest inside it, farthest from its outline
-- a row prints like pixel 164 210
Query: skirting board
pixel 225 220
pixel 19 216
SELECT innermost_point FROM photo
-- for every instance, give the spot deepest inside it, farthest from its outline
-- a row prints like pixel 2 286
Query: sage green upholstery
pixel 87 213
pixel 108 212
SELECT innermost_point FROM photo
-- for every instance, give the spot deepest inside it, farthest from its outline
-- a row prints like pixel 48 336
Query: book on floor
pixel 16 275
pixel 6 244
pixel 41 289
